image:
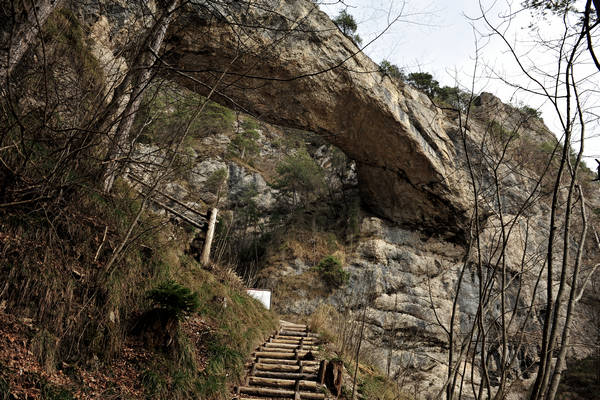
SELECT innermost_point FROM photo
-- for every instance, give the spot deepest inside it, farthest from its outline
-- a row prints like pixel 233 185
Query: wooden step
pixel 239 397
pixel 291 346
pixel 293 341
pixel 278 371
pixel 286 375
pixel 292 329
pixel 296 334
pixel 282 383
pixel 288 355
pixel 278 393
pixel 265 360
pixel 292 324
pixel 286 368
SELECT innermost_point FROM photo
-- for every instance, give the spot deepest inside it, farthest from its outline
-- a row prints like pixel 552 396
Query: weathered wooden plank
pixel 209 236
pixel 294 328
pixel 290 346
pixel 292 324
pixel 308 341
pixel 286 368
pixel 297 334
pixel 286 375
pixel 279 393
pixel 279 354
pixel 321 372
pixel 290 362
pixel 281 383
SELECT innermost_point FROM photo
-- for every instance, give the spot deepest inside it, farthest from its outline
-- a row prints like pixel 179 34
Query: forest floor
pixel 24 376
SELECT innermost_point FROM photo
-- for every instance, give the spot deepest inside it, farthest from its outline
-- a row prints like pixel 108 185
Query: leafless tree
pixel 21 21
pixel 505 335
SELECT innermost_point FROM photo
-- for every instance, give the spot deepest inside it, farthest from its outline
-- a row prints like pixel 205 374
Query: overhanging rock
pixel 288 64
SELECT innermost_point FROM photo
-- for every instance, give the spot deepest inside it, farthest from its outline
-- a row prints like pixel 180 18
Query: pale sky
pixel 437 36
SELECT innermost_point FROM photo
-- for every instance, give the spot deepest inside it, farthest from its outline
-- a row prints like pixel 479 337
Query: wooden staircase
pixel 285 367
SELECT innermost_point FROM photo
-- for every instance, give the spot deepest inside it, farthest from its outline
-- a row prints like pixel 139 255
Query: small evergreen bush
pixel 174 298
pixel 348 26
pixel 331 271
pixel 391 70
pixel 299 178
pixel 501 134
pixel 530 112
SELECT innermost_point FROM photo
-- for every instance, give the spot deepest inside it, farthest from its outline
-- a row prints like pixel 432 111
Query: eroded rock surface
pixel 410 164
pixel 291 66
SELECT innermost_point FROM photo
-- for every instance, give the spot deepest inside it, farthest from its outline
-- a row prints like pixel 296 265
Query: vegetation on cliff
pixel 89 302
pixel 433 243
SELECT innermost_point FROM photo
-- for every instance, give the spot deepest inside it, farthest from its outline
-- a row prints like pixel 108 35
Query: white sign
pixel 262 295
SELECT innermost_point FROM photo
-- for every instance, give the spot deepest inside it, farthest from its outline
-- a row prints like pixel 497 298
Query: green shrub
pixel 176 299
pixel 424 82
pixel 245 143
pixel 50 391
pixel 214 119
pixel 453 97
pixel 548 147
pixel 249 125
pixel 169 108
pixel 499 133
pixel 153 383
pixel 44 346
pixel 69 37
pixel 347 25
pixel 331 271
pixel 378 387
pixel 299 178
pixel 214 183
pixel 224 361
pixel 530 112
pixel 444 96
pixel 391 70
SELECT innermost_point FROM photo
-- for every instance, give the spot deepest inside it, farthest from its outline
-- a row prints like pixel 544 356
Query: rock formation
pixel 288 64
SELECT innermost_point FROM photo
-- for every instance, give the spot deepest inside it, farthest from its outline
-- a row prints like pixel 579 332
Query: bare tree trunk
pixel 28 17
pixel 360 338
pixel 209 237
pixel 553 310
pixel 560 362
pixel 391 338
pixel 117 253
pixel 137 80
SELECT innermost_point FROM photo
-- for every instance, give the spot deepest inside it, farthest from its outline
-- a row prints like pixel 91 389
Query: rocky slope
pixel 406 279
pixel 296 69
pixel 286 64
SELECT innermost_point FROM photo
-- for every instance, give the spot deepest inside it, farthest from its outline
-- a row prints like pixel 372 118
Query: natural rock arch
pixel 292 67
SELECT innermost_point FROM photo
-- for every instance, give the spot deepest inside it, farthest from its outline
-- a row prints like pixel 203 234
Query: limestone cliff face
pixel 291 66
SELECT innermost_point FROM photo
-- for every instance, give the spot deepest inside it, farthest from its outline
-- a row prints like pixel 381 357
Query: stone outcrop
pixel 288 64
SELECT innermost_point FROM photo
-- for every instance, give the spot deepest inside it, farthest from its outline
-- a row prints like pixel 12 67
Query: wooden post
pixel 252 372
pixel 209 237
pixel 297 390
pixel 321 373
